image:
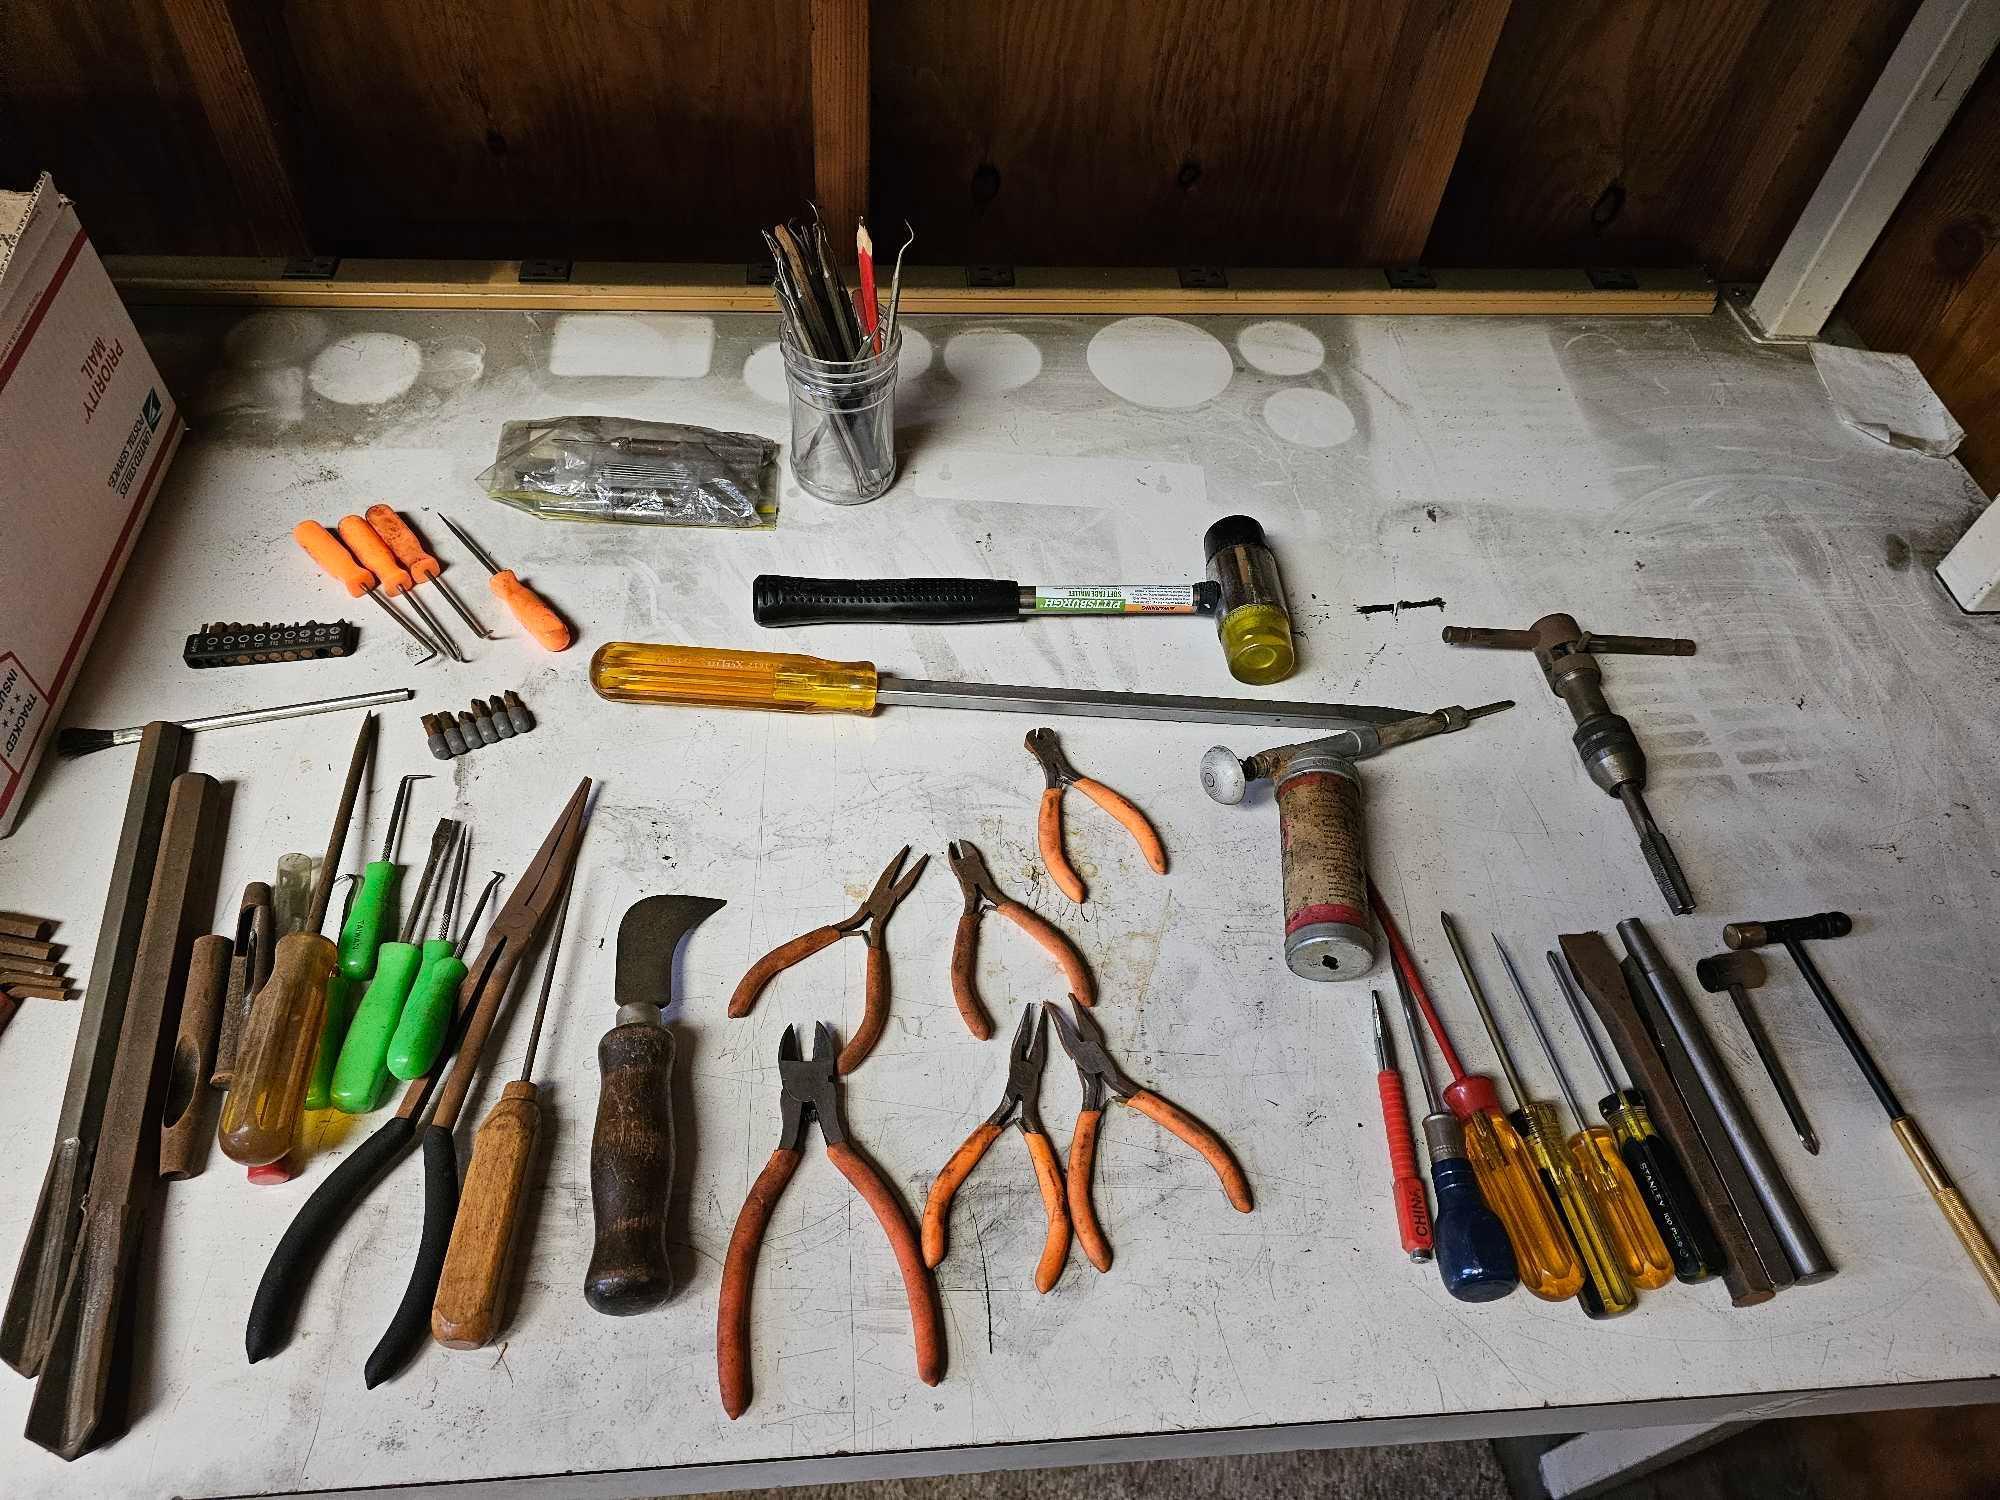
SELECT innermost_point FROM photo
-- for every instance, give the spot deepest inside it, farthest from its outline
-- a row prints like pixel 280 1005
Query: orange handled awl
pixel 1058 773
pixel 424 568
pixel 366 543
pixel 1413 1209
pixel 527 606
pixel 324 548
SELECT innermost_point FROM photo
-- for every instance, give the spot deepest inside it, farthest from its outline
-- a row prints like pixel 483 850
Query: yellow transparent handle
pixel 1507 1179
pixel 699 676
pixel 1634 1237
pixel 1580 1209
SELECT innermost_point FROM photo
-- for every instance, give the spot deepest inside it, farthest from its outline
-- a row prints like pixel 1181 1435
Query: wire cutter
pixel 811 1091
pixel 870 919
pixel 978 884
pixel 1058 773
pixel 1022 1103
pixel 1085 1044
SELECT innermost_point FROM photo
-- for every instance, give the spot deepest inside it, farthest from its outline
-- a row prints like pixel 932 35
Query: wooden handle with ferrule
pixel 874 1013
pixel 774 963
pixel 739 1269
pixel 1082 1212
pixel 632 1171
pixel 182 1121
pixel 1055 1245
pixel 1136 823
pixel 1058 947
pixel 531 610
pixel 917 1284
pixel 472 1288
pixel 1170 1116
pixel 937 1207
pixel 1049 835
pixel 964 955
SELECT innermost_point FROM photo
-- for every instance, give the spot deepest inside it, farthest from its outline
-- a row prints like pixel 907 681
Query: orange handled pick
pixel 528 607
pixel 424 568
pixel 374 553
pixel 324 548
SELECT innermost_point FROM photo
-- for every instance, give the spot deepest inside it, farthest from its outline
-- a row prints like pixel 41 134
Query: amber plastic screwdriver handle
pixel 274 1056
pixel 374 555
pixel 1082 1212
pixel 335 560
pixel 1513 1189
pixel 632 1170
pixel 1171 1117
pixel 531 611
pixel 472 1288
pixel 403 542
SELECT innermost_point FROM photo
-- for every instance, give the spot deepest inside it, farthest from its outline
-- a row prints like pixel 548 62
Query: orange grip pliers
pixel 811 1091
pixel 1022 1103
pixel 1085 1045
pixel 871 919
pixel 1058 773
pixel 980 888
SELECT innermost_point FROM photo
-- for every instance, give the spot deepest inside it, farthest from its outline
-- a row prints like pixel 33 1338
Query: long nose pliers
pixel 980 889
pixel 1022 1103
pixel 1057 774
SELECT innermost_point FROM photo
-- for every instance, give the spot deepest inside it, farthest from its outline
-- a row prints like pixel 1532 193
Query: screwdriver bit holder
pixel 1605 742
pixel 233 645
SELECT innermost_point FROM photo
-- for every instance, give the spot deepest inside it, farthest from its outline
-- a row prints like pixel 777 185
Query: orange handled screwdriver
pixel 1413 1209
pixel 324 548
pixel 424 568
pixel 527 606
pixel 367 544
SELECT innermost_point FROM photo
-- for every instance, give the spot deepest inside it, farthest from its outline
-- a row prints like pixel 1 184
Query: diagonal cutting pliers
pixel 1058 773
pixel 870 919
pixel 980 889
pixel 1085 1045
pixel 811 1091
pixel 1022 1103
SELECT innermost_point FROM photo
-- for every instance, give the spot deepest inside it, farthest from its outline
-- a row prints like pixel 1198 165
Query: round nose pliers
pixel 1022 1103
pixel 980 889
pixel 1058 773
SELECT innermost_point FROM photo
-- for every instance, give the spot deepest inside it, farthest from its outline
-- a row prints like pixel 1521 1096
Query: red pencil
pixel 864 249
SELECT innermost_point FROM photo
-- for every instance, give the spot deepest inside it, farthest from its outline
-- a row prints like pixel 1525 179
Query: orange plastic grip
pixel 374 554
pixel 1413 1210
pixel 324 548
pixel 531 610
pixel 404 543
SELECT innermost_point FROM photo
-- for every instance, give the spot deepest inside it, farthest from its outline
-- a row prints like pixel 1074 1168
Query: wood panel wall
pixel 1931 288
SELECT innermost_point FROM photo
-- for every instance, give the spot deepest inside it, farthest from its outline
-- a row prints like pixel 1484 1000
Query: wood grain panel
pixel 1655 132
pixel 1931 287
pixel 840 113
pixel 648 129
pixel 1080 132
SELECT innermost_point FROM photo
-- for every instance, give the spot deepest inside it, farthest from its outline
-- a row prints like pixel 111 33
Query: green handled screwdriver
pixel 361 933
pixel 408 1057
pixel 420 1035
pixel 362 1071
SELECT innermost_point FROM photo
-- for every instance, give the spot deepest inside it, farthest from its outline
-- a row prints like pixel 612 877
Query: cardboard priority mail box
pixel 86 431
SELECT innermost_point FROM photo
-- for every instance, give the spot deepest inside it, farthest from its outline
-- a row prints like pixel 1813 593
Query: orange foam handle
pixel 1082 1212
pixel 531 610
pixel 937 1207
pixel 917 1285
pixel 1121 808
pixel 964 955
pixel 404 543
pixel 874 1014
pixel 1049 834
pixel 375 555
pixel 1055 1245
pixel 1057 946
pixel 1170 1116
pixel 1413 1210
pixel 739 1270
pixel 324 548
pixel 774 963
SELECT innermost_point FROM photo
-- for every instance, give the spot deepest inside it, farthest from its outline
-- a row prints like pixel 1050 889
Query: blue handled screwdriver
pixel 1473 1254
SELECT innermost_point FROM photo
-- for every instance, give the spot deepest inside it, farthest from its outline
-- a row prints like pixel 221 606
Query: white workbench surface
pixel 1831 746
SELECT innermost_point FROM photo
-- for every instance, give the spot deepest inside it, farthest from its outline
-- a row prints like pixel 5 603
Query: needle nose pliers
pixel 1023 1104
pixel 871 919
pixel 1085 1044
pixel 811 1091
pixel 1058 773
pixel 980 888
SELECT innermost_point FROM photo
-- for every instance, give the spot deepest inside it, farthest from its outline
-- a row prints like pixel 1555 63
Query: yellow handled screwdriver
pixel 1594 1151
pixel 1606 1290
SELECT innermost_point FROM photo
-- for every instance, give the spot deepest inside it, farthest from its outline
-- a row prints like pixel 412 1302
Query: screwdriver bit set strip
pixel 487 722
pixel 234 645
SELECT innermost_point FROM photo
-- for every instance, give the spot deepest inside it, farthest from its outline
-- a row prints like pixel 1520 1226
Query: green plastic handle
pixel 363 1070
pixel 361 933
pixel 342 994
pixel 420 1034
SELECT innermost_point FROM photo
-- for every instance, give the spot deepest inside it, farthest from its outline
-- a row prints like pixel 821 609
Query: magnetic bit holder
pixel 1605 742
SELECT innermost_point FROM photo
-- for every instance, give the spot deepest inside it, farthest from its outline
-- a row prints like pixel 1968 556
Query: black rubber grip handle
pixel 776 599
pixel 411 1324
pixel 306 1237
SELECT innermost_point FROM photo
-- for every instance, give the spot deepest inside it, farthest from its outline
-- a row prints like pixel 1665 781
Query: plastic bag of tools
pixel 646 473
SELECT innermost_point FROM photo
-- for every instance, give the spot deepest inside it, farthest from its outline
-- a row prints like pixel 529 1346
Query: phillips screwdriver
pixel 1473 1255
pixel 1649 1156
pixel 420 1034
pixel 324 548
pixel 1413 1214
pixel 471 1288
pixel 361 933
pixel 363 1069
pixel 424 568
pixel 1606 1290
pixel 529 608
pixel 275 1053
pixel 1594 1153
pixel 375 555
pixel 1506 1174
